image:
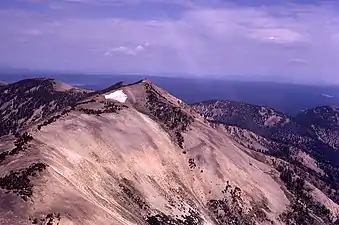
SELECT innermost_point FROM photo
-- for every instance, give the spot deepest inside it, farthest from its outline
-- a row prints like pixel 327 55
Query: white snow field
pixel 119 96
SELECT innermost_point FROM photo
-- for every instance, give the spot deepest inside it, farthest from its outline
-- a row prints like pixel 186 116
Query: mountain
pixel 135 154
pixel 285 97
pixel 313 133
pixel 313 130
pixel 324 122
pixel 27 101
pixel 266 121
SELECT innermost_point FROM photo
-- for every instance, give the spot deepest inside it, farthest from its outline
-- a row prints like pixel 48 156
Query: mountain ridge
pixel 134 154
pixel 19 101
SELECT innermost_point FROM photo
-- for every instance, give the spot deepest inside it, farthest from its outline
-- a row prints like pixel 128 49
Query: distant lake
pixel 289 98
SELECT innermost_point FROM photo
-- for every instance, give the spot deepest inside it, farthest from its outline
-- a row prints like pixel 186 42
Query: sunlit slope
pixel 124 167
pixel 148 160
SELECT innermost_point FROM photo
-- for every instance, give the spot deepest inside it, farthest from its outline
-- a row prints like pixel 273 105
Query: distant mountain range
pixel 135 154
pixel 288 98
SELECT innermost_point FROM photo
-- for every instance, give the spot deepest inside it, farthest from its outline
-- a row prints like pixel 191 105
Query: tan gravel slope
pixel 126 167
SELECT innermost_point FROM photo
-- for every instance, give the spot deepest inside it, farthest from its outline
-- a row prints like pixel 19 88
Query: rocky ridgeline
pixel 172 117
pixel 27 101
pixel 19 183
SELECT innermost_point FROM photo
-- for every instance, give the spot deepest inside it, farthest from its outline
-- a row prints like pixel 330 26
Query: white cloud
pixel 133 51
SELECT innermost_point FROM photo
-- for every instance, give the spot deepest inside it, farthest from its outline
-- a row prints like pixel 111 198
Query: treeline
pixel 109 107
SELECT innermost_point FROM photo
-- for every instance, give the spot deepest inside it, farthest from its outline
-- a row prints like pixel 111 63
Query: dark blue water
pixel 289 98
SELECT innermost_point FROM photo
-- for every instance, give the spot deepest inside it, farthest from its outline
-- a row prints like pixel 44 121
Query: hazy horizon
pixel 8 74
pixel 283 41
pixel 285 97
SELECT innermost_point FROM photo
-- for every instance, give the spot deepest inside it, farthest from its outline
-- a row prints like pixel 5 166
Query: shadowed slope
pixel 27 101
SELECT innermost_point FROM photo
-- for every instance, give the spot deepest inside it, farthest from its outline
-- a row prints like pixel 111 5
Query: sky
pixel 296 40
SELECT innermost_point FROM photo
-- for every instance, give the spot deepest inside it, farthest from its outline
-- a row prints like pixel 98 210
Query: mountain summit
pixel 134 154
pixel 28 101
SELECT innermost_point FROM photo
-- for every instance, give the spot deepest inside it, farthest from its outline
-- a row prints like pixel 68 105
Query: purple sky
pixel 296 40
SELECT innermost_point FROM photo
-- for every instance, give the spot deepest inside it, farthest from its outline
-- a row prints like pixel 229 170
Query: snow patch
pixel 119 96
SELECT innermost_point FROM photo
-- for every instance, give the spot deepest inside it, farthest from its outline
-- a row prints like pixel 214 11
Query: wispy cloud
pixel 299 40
pixel 127 50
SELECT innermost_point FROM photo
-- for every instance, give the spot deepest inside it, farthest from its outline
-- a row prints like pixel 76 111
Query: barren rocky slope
pixel 134 154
